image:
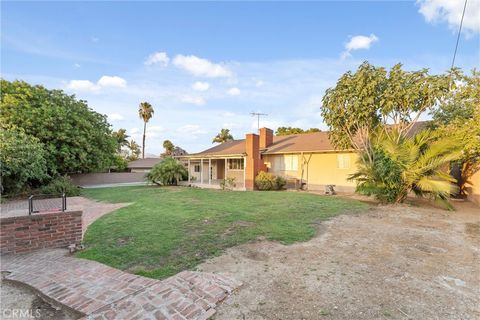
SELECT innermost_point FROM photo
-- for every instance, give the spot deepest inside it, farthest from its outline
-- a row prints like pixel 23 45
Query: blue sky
pixel 207 65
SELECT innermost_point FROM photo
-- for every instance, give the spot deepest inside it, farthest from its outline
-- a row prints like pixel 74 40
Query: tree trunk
pixel 143 144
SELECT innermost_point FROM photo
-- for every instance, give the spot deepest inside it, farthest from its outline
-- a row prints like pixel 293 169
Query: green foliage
pixel 228 183
pixel 22 160
pixel 145 112
pixel 168 146
pixel 61 184
pixel 121 138
pixel 284 131
pixel 458 116
pixel 134 150
pixel 75 138
pixel 370 98
pixel 267 181
pixel 168 172
pixel 223 136
pixel 119 163
pixel 403 165
pixel 167 230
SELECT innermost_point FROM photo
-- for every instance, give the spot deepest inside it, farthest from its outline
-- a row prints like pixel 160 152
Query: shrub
pixel 22 161
pixel 62 184
pixel 267 181
pixel 168 172
pixel 228 183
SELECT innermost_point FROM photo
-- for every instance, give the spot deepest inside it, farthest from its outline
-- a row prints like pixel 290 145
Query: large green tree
pixel 458 115
pixel 223 136
pixel 75 138
pixel 145 112
pixel 22 160
pixel 370 98
pixel 285 131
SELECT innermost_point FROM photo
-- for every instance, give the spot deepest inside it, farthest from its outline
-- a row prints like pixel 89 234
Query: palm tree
pixel 169 147
pixel 402 165
pixel 121 138
pixel 223 136
pixel 145 112
pixel 134 150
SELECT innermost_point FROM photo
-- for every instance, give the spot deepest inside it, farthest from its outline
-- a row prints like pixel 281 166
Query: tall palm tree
pixel 145 112
pixel 223 136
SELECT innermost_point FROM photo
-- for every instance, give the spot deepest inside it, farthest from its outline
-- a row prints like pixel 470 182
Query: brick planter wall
pixel 51 230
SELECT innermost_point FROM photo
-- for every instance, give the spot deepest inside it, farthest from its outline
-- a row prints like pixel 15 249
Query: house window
pixel 286 163
pixel 196 168
pixel 343 161
pixel 291 163
pixel 235 164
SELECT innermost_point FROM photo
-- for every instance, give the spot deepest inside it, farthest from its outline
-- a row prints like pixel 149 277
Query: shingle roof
pixel 305 142
pixel 143 163
pixel 233 147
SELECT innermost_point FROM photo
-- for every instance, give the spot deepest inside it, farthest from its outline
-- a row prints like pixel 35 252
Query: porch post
pixel 244 166
pixel 201 171
pixel 209 171
pixel 188 170
pixel 225 177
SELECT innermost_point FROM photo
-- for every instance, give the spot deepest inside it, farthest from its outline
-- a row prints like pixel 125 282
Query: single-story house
pixel 143 165
pixel 309 160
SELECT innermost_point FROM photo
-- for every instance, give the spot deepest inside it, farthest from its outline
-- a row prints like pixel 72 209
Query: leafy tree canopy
pixel 223 136
pixel 285 131
pixel 22 160
pixel 75 138
pixel 372 97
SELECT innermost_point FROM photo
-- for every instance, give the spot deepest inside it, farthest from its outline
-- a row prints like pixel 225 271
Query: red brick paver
pixel 102 292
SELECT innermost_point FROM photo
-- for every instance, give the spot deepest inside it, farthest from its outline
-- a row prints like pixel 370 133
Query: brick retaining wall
pixel 51 230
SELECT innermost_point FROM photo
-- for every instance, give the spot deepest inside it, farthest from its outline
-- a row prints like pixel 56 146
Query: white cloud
pixel 115 117
pixel 450 12
pixel 199 101
pixel 134 130
pixel 156 128
pixel 103 82
pixel 201 86
pixel 233 91
pixel 259 83
pixel 201 67
pixel 157 58
pixel 76 65
pixel 112 82
pixel 357 43
pixel 83 85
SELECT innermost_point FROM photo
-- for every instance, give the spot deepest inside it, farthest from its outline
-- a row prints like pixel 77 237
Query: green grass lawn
pixel 167 230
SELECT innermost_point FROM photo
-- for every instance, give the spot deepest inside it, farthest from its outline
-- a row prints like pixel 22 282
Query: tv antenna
pixel 258 115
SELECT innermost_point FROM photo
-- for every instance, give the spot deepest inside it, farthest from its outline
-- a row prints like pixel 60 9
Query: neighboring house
pixel 142 165
pixel 474 189
pixel 307 159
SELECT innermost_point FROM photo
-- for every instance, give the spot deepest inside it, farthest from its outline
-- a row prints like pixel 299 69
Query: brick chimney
pixel 266 138
pixel 252 148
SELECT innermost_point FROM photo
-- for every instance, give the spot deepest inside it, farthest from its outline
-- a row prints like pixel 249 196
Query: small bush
pixel 62 184
pixel 168 172
pixel 228 184
pixel 267 181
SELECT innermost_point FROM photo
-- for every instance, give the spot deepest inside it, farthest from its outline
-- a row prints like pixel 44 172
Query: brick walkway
pixel 101 292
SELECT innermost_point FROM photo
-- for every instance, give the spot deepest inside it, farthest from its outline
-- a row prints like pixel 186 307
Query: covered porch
pixel 209 172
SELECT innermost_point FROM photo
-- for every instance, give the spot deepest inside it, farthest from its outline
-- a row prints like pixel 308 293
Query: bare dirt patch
pixel 389 263
pixel 21 302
